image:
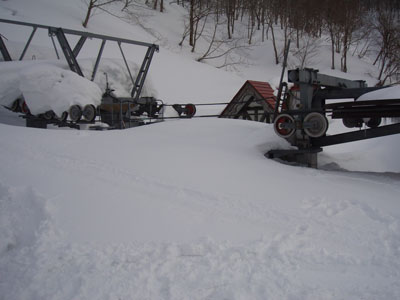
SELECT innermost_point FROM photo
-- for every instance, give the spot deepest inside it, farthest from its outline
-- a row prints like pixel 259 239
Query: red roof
pixel 265 91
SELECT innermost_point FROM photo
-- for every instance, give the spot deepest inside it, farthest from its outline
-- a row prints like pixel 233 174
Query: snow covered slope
pixel 188 209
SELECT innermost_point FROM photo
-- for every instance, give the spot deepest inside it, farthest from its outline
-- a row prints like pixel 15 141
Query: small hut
pixel 254 101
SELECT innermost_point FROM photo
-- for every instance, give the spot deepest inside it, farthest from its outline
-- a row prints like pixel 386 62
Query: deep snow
pixel 189 209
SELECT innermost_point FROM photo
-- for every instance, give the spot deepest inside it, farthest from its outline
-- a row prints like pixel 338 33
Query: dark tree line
pixel 364 24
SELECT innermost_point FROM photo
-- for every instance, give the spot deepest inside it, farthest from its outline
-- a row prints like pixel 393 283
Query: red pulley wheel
pixel 284 126
pixel 190 110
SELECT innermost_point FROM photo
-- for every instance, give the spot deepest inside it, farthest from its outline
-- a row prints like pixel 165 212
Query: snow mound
pixel 46 86
pixel 50 85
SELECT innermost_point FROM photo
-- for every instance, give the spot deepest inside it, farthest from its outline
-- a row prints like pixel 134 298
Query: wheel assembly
pixel 89 113
pixel 315 124
pixel 75 113
pixel 284 126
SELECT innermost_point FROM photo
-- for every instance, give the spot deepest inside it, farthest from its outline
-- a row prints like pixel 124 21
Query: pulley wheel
pixel 48 115
pixel 284 126
pixel 63 117
pixel 373 122
pixel 89 113
pixel 75 113
pixel 352 123
pixel 190 110
pixel 319 124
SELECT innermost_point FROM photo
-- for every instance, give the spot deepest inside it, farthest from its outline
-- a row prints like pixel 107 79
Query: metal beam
pixel 83 33
pixel 356 135
pixel 66 48
pixel 96 65
pixel 141 76
pixel 312 77
pixel 79 45
pixel 28 43
pixel 4 51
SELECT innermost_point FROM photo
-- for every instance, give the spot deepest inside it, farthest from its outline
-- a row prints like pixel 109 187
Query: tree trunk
pixel 333 51
pixel 88 13
pixel 274 44
pixel 191 23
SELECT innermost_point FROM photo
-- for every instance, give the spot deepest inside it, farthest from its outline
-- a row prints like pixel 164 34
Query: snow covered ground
pixel 189 209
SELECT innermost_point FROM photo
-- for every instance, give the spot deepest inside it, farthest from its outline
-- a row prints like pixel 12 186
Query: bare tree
pixel 218 48
pixel 92 5
pixel 307 50
pixel 387 28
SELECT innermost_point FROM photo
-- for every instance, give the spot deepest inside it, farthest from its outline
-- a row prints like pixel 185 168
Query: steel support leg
pixel 66 48
pixel 4 51
pixel 137 88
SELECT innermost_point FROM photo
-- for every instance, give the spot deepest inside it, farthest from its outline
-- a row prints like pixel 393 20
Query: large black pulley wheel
pixel 352 123
pixel 284 126
pixel 373 122
pixel 49 115
pixel 89 113
pixel 315 124
pixel 75 113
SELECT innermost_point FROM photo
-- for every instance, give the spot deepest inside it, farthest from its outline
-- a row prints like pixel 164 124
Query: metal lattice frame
pixel 71 54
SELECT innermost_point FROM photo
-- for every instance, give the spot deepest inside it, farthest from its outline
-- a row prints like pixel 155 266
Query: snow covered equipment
pixel 302 112
pixel 118 112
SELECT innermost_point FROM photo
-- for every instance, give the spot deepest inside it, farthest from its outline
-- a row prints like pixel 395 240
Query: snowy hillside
pixel 185 209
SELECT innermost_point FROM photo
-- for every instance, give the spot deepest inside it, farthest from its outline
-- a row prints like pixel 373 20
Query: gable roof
pixel 263 91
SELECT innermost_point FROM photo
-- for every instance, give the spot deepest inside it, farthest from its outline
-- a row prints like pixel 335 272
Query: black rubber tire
pixel 352 123
pixel 373 122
